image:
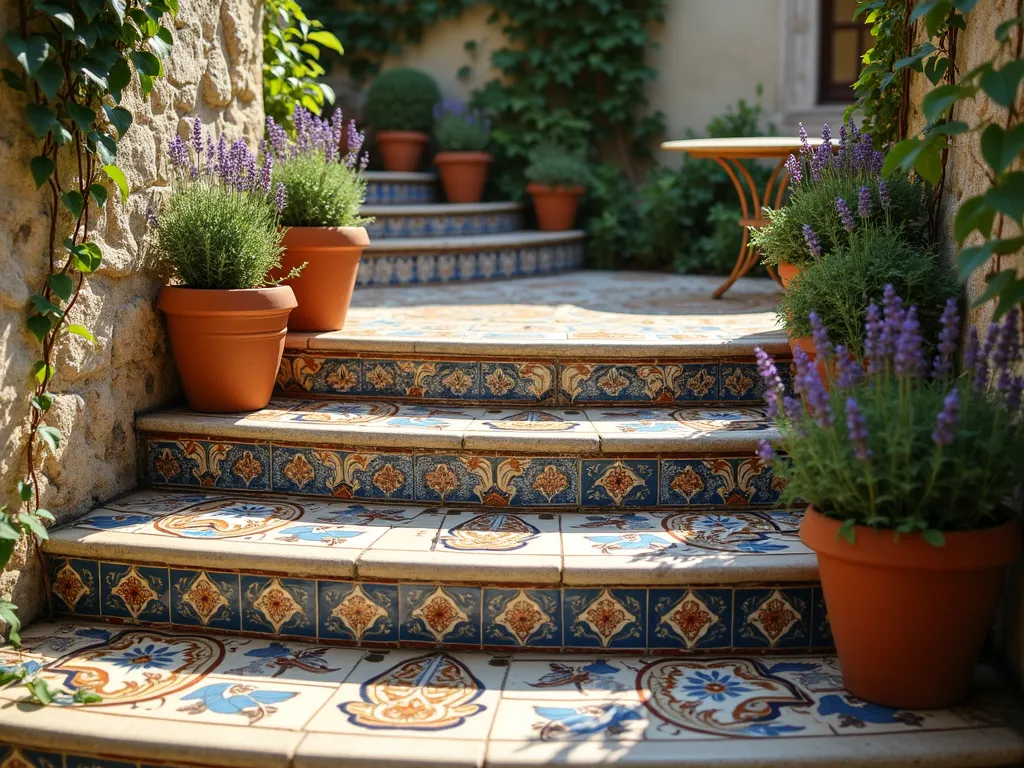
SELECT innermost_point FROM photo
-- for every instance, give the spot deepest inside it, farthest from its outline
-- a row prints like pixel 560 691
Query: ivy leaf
pixel 42 371
pixel 30 53
pixel 44 306
pixel 117 6
pixel 40 690
pixel 13 79
pixel 1007 196
pixel 172 5
pixel 327 39
pixel 98 193
pixel 42 168
pixel 51 436
pixel 117 176
pixel 82 116
pixel 7 613
pixel 54 11
pixel 146 63
pixel 975 214
pixel 7 531
pixel 39 325
pixel 935 68
pixel 1000 148
pixel 86 257
pixel 95 70
pixel 86 696
pixel 1002 32
pixel 118 79
pixel 33 525
pixel 951 128
pixel 90 8
pixel 62 285
pixel 902 155
pixel 105 146
pixel 847 531
pixel 913 61
pixel 928 162
pixel 120 118
pixel 1001 85
pixel 81 330
pixel 44 514
pixel 161 43
pixel 73 202
pixel 50 78
pixel 24 490
pixel 973 258
pixel 998 283
pixel 938 100
pixel 934 537
pixel 42 119
pixel 42 402
pixel 146 83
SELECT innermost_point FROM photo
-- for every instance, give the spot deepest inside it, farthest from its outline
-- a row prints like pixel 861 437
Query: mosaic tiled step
pixel 386 188
pixel 442 219
pixel 423 260
pixel 171 698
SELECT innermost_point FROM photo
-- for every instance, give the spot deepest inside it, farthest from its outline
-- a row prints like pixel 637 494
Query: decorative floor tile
pixel 341 474
pixel 383 188
pixel 279 606
pixel 363 612
pixel 440 614
pixel 443 222
pixel 619 483
pixel 522 617
pixel 135 592
pixel 605 618
pixel 772 618
pixel 205 599
pixel 499 532
pixel 237 465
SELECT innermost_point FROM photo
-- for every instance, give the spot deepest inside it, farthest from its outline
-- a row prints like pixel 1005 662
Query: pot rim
pixel 561 189
pixel 181 300
pixel 325 237
pixel 418 136
pixel 983 548
pixel 463 157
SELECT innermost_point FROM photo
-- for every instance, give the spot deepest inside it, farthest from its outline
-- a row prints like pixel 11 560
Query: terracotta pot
pixel 806 343
pixel 324 286
pixel 555 206
pixel 401 150
pixel 787 272
pixel 909 619
pixel 463 175
pixel 227 343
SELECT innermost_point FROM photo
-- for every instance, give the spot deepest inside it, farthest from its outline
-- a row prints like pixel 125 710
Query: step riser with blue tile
pixel 737 618
pixel 383 191
pixel 523 381
pixel 443 224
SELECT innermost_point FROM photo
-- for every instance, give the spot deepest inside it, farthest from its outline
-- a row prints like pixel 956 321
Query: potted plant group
pixel 219 237
pixel 325 236
pixel 400 107
pixel 462 135
pixel 812 224
pixel 557 179
pixel 906 466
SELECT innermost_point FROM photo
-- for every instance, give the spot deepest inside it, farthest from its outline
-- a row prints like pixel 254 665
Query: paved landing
pixel 217 700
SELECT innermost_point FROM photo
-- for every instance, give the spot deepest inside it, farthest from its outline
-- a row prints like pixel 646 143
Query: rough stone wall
pixel 214 72
pixel 965 177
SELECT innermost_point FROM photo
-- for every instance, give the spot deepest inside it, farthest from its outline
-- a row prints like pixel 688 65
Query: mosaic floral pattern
pixel 444 224
pixel 381 190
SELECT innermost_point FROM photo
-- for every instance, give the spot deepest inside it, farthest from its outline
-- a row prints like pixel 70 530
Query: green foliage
pixel 685 220
pixel 573 74
pixel 74 60
pixel 841 285
pixel 468 132
pixel 879 88
pixel 292 46
pixel 320 193
pixel 782 238
pixel 556 166
pixel 402 100
pixel 211 236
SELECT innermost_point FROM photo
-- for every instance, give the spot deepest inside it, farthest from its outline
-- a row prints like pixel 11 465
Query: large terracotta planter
pixel 227 343
pixel 463 175
pixel 787 272
pixel 324 287
pixel 401 150
pixel 909 619
pixel 555 206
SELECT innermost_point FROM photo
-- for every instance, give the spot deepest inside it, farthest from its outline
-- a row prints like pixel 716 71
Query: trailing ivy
pixel 884 78
pixel 292 44
pixel 1001 138
pixel 74 61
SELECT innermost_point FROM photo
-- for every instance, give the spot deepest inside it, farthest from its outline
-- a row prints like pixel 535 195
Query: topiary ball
pixel 402 100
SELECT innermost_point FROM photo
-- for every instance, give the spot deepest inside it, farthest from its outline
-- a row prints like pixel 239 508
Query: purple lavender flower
pixel 848 370
pixel 1006 351
pixel 1013 396
pixel 971 350
pixel 883 195
pixel 945 423
pixel 873 349
pixel 857 426
pixel 907 359
pixel 806 146
pixel 981 368
pixel 820 335
pixel 197 137
pixel 280 199
pixel 862 154
pixel 844 214
pixel 842 157
pixel 795 170
pixel 817 398
pixel 773 383
pixel 178 152
pixel 803 366
pixel 826 134
pixel 765 452
pixel 812 241
pixel 948 337
pixel 877 162
pixel 893 315
pixel 222 155
pixel 864 203
pixel 794 408
pixel 266 173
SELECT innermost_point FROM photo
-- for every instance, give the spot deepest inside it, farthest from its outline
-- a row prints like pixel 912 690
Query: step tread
pixel 440 209
pixel 337 539
pixel 497 242
pixel 236 701
pixel 414 176
pixel 591 430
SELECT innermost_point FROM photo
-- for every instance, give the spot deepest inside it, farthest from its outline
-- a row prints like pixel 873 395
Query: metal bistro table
pixel 728 153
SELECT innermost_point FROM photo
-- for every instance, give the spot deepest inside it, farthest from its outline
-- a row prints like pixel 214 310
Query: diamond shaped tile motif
pixel 276 604
pixel 775 617
pixel 69 587
pixel 617 481
pixel 358 613
pixel 134 591
pixel 523 617
pixel 607 617
pixel 204 598
pixel 440 614
pixel 690 619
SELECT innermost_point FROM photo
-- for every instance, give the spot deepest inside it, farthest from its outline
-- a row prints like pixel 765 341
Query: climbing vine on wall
pixel 74 60
pixel 884 76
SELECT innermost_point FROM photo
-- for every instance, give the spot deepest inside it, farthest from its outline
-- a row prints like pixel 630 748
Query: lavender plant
pixel 903 443
pixel 460 129
pixel 324 186
pixel 220 226
pixel 829 185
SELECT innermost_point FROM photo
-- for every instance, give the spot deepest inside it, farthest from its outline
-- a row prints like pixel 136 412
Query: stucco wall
pixel 214 72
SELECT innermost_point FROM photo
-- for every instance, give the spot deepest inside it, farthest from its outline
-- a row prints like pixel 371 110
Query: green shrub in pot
pixel 557 179
pixel 400 108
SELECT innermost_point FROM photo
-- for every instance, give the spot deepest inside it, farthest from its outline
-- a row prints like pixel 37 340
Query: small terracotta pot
pixel 806 343
pixel 227 343
pixel 463 175
pixel 401 150
pixel 909 619
pixel 324 287
pixel 555 206
pixel 787 272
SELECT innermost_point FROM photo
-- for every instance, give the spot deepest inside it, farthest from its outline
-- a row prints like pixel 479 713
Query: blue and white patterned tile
pixel 692 482
pixel 238 466
pixel 619 483
pixel 605 618
pixel 689 618
pixel 736 532
pixel 447 479
pixel 320 375
pixel 358 612
pixel 255 660
pixel 400 192
pixel 138 593
pixel 530 383
pixel 499 531
pixel 388 225
pixel 772 617
pixel 87 761
pixel 582 382
pixel 821 630
pixel 536 678
pixel 205 599
pixel 522 617
pixel 75 586
pixel 22 757
pixel 384 477
pixel 538 482
pixel 432 613
pixel 279 606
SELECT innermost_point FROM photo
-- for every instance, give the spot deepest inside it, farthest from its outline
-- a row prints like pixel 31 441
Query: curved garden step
pixel 219 700
pixel 421 260
pixel 442 220
pixel 389 188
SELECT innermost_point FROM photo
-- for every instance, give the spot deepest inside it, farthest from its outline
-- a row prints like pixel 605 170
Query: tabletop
pixel 744 146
